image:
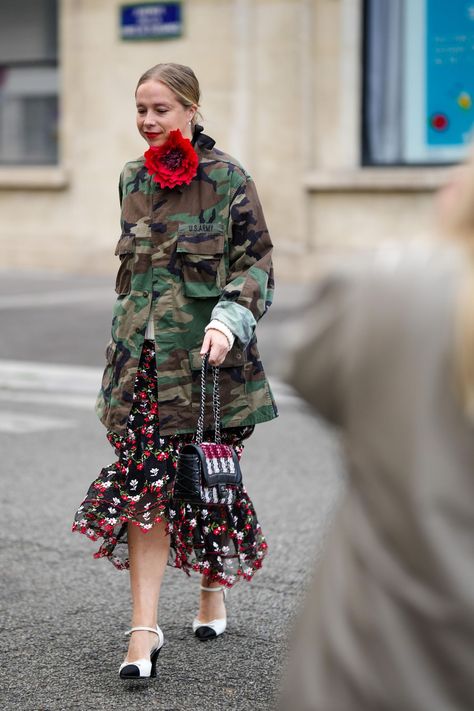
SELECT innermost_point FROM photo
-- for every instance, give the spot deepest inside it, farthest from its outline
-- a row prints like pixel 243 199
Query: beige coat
pixel 389 621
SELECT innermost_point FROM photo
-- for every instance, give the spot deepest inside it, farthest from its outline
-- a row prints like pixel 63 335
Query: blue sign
pixel 151 20
pixel 449 72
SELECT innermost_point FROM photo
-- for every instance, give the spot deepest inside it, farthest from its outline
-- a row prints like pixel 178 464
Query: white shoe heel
pixel 143 668
pixel 212 629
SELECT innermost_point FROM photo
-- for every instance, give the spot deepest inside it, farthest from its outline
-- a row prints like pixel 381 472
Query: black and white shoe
pixel 143 668
pixel 212 629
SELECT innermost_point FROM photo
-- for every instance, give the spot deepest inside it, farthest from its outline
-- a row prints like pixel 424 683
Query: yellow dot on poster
pixel 464 100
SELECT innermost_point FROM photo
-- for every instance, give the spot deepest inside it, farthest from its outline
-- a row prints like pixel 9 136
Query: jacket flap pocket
pixel 193 240
pixel 125 245
pixel 110 351
pixel 233 359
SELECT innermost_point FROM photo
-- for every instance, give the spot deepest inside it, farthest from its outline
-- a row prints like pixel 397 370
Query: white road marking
pixel 26 375
pixel 70 386
pixel 18 423
pixel 79 402
pixel 48 385
pixel 55 298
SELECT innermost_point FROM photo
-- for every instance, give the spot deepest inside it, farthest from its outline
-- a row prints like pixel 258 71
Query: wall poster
pixel 439 79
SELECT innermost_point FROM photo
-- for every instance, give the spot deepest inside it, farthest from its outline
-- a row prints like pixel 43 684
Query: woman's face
pixel 159 112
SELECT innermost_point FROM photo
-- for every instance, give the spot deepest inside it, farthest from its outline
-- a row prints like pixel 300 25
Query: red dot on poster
pixel 439 122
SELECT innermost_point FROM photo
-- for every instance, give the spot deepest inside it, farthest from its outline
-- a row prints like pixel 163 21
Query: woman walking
pixel 195 277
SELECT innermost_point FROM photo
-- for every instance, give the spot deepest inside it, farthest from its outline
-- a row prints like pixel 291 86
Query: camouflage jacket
pixel 188 255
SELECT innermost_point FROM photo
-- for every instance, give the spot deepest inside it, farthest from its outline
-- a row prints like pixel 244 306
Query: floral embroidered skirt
pixel 224 542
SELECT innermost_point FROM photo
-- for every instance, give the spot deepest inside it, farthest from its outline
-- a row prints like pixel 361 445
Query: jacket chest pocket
pixel 202 260
pixel 125 249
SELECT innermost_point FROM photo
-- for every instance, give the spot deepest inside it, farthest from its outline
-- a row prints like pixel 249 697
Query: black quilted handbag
pixel 208 472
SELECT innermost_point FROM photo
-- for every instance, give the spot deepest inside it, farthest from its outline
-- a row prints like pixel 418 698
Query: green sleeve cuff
pixel 237 318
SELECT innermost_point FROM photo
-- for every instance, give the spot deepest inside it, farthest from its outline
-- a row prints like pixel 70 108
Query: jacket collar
pixel 200 139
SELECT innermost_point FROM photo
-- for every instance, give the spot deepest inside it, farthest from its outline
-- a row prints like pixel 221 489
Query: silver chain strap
pixel 216 402
pixel 216 405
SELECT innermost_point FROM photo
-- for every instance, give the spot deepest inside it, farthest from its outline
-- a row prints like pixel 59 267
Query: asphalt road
pixel 63 614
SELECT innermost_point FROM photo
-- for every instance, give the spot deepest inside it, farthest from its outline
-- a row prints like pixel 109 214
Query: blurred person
pixel 388 357
pixel 195 276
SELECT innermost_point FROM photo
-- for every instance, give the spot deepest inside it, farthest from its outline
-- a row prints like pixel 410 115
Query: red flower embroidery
pixel 173 163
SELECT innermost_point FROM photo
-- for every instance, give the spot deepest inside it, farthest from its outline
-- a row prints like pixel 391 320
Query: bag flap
pixel 220 464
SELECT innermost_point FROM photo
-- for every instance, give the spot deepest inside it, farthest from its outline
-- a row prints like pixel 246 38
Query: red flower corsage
pixel 173 163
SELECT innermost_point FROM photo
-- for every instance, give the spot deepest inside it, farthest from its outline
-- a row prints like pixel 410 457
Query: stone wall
pixel 280 91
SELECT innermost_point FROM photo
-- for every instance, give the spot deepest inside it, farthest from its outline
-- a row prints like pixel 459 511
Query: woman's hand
pixel 218 345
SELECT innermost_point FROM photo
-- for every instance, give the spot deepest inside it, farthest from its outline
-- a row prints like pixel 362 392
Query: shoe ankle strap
pixel 211 589
pixel 143 629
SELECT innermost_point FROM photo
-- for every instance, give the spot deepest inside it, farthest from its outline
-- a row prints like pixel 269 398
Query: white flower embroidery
pixel 134 483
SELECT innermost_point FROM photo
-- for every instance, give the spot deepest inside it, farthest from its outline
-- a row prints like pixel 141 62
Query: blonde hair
pixel 460 225
pixel 180 79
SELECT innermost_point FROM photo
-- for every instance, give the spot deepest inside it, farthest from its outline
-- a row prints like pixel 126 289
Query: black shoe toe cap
pixel 131 671
pixel 204 633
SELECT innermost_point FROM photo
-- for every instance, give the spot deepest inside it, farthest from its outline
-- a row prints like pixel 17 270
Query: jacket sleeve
pixel 319 367
pixel 249 289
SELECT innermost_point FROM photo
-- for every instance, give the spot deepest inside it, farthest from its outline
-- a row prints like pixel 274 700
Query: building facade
pixel 317 98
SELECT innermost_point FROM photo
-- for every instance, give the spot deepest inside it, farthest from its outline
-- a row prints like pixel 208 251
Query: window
pixel 418 81
pixel 28 82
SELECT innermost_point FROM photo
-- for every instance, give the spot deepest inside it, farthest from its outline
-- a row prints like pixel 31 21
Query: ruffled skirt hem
pixel 223 542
